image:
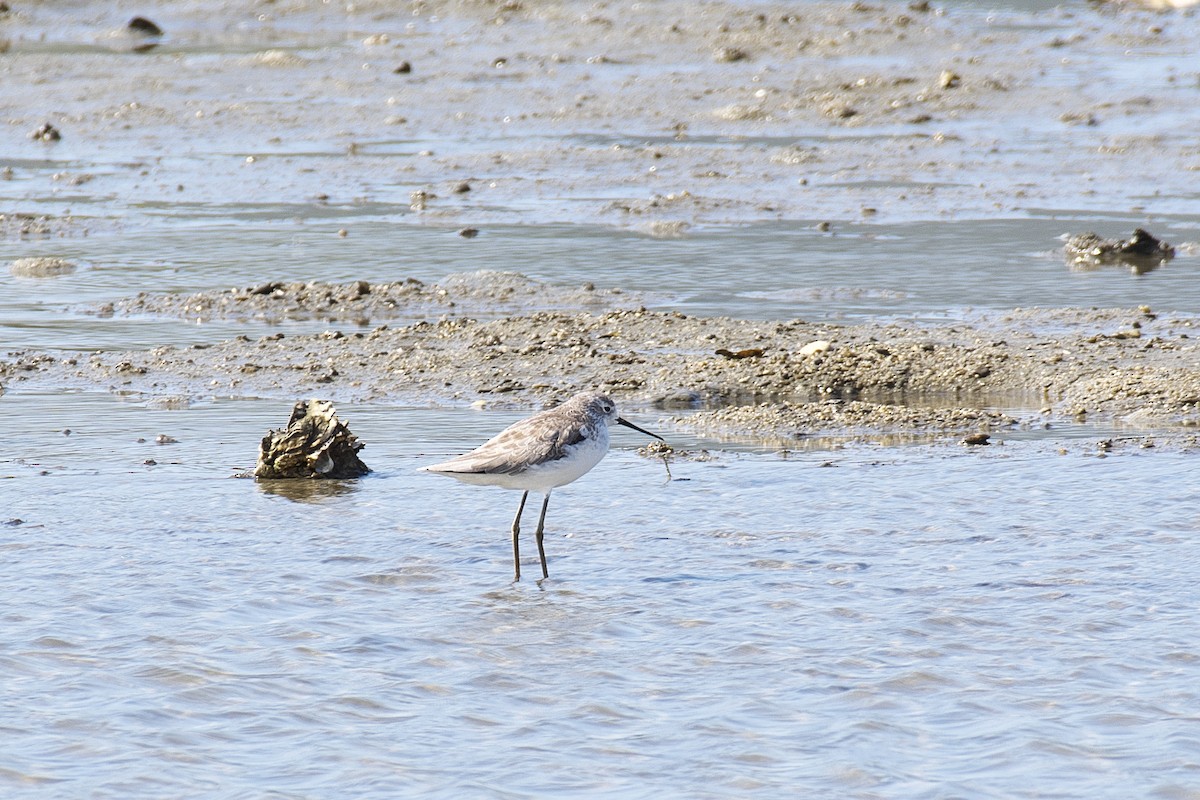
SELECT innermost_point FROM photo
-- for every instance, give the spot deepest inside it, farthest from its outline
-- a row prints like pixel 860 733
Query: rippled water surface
pixel 878 619
pixel 903 622
pixel 766 271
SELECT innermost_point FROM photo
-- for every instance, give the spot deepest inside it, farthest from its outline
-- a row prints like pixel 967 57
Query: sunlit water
pixel 869 622
pixel 777 271
pixel 878 620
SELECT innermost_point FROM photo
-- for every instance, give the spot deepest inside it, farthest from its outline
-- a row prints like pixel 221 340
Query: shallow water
pixel 895 617
pixel 856 272
pixel 867 622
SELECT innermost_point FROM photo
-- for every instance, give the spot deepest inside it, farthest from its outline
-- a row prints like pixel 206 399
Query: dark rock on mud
pixel 144 27
pixel 749 352
pixel 315 444
pixel 1142 251
pixel 140 35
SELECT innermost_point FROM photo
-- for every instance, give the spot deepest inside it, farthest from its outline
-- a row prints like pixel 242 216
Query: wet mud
pixel 743 377
pixel 360 302
pixel 653 116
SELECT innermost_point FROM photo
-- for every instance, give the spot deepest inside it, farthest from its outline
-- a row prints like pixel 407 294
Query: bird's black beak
pixel 639 430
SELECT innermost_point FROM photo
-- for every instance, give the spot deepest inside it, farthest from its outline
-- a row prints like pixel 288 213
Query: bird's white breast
pixel 577 461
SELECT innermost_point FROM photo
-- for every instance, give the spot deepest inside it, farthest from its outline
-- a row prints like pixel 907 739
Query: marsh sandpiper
pixel 539 454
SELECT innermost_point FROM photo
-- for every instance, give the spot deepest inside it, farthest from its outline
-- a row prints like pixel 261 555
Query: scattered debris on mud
pixel 788 419
pixel 361 302
pixel 35 226
pixel 1128 364
pixel 715 90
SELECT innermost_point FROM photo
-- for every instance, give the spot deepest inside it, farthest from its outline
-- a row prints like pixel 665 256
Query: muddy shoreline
pixel 769 379
pixel 657 117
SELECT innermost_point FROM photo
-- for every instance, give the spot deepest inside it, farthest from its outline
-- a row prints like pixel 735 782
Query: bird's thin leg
pixel 516 530
pixel 540 531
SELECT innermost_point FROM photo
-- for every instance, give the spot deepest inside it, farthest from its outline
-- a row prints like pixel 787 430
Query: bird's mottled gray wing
pixel 515 449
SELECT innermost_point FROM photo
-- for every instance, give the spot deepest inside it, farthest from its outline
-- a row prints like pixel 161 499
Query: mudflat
pixel 770 378
pixel 658 117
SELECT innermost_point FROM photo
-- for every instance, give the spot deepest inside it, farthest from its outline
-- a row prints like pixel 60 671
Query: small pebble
pixel 730 54
pixel 144 26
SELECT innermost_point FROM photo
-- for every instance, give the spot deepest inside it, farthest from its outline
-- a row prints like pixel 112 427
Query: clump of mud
pixel 41 267
pixel 789 419
pixel 1141 252
pixel 315 444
